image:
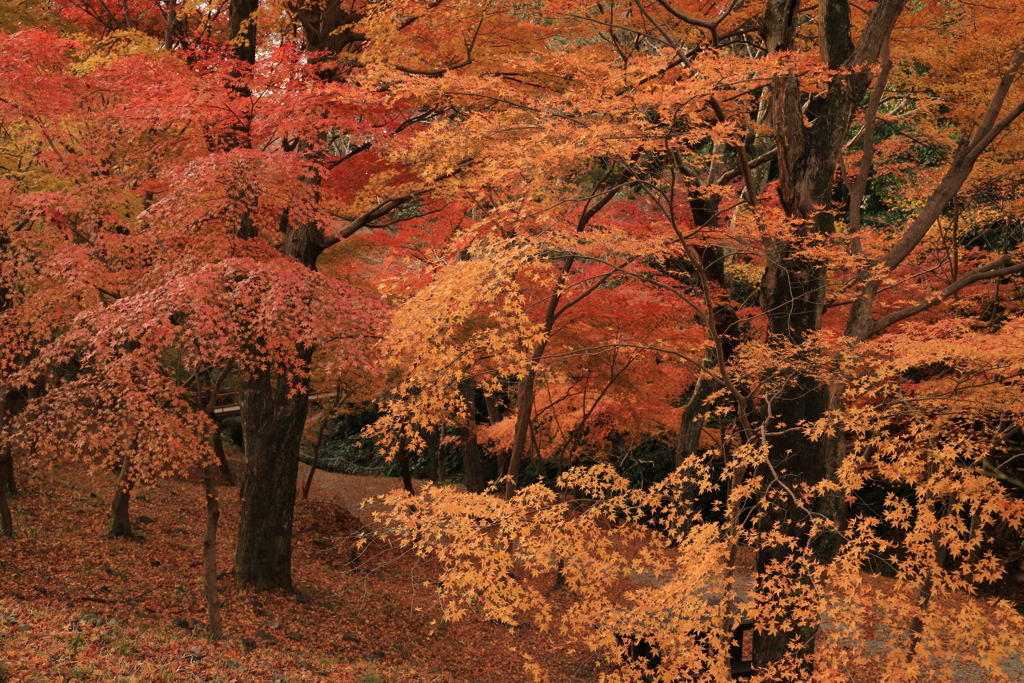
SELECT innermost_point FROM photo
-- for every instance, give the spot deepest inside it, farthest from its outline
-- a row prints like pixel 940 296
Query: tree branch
pixel 1001 267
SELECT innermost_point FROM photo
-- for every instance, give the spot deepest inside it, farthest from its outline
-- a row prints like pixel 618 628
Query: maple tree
pixel 742 138
pixel 774 235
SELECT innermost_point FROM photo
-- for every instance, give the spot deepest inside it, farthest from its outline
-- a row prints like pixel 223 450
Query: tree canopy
pixel 781 244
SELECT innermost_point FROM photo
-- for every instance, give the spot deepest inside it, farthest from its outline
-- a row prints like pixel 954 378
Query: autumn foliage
pixel 778 246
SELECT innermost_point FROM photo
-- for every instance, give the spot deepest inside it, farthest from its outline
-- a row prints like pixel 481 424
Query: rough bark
pixel 273 418
pixel 793 287
pixel 210 553
pixel 272 424
pixel 242 29
pixel 120 524
pixel 322 24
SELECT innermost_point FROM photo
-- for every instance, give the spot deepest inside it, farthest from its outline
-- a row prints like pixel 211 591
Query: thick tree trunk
pixel 242 28
pixel 810 138
pixel 210 553
pixel 120 524
pixel 273 419
pixel 272 424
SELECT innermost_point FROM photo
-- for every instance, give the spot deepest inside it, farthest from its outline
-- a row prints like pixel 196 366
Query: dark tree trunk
pixel 7 410
pixel 403 466
pixel 316 454
pixel 810 138
pixel 323 25
pixel 120 525
pixel 218 449
pixel 10 483
pixel 471 465
pixel 435 460
pixel 493 414
pixel 6 521
pixel 210 553
pixel 312 470
pixel 272 424
pixel 242 28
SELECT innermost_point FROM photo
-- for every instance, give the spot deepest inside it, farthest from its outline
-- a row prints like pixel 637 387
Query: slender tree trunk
pixel 316 458
pixel 403 466
pixel 8 465
pixel 210 553
pixel 312 471
pixel 218 450
pixel 471 465
pixel 435 461
pixel 6 521
pixel 172 24
pixel 120 524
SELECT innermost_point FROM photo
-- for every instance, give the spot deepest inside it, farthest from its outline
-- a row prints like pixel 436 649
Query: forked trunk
pixel 120 525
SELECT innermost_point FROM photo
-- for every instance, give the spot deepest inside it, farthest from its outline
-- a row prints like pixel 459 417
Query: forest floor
pixel 76 606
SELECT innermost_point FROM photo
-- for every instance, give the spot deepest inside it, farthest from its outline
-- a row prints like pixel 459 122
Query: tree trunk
pixel 272 424
pixel 316 458
pixel 8 465
pixel 403 466
pixel 210 553
pixel 471 465
pixel 120 525
pixel 435 460
pixel 312 471
pixel 6 521
pixel 218 450
pixel 493 414
pixel 810 138
pixel 7 410
pixel 242 28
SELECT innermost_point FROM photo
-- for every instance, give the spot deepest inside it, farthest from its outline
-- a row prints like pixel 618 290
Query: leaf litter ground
pixel 76 606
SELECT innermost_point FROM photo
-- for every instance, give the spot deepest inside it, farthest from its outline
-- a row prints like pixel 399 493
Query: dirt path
pixel 349 490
